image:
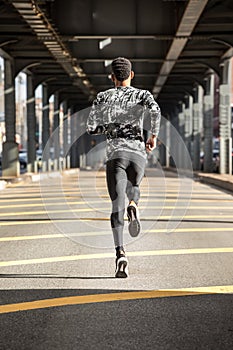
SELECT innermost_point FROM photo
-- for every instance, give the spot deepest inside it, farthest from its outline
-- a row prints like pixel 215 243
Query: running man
pixel 119 113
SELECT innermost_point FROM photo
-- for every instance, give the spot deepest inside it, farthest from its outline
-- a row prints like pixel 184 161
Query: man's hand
pixel 151 143
pixel 97 131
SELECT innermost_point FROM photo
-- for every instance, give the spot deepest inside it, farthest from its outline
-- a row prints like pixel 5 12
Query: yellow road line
pixel 66 201
pixel 111 255
pixel 60 190
pixel 23 213
pixel 149 195
pixel 183 217
pixel 55 259
pixel 162 205
pixel 181 251
pixel 210 289
pixel 75 220
pixel 111 297
pixel 101 233
pixel 53 235
pixel 169 218
pixel 75 190
pixel 45 204
pixel 201 207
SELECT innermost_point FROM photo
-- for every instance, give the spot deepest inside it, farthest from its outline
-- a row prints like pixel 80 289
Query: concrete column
pixel 174 136
pixel 188 128
pixel 181 121
pixel 168 142
pixel 56 129
pixel 45 123
pixel 208 123
pixel 74 142
pixel 162 147
pixel 10 153
pixel 225 120
pixel 31 124
pixel 66 133
pixel 197 125
pixel 65 128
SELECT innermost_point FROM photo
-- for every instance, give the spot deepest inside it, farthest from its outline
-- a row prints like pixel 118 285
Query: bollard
pixel 35 167
pixel 68 162
pixel 49 165
pixel 44 166
pixel 61 164
pixel 55 165
pixel 29 168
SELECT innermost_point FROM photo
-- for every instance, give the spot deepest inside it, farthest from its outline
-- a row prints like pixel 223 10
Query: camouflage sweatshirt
pixel 124 106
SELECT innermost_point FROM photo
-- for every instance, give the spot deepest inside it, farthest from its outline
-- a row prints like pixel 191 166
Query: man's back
pixel 122 110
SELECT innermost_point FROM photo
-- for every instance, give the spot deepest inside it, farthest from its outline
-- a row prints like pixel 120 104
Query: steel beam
pixel 188 22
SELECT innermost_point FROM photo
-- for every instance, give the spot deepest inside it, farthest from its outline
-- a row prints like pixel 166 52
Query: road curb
pixel 31 177
pixel 54 174
pixel 216 180
pixel 222 181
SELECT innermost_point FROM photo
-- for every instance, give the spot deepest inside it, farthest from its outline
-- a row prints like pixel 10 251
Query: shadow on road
pixel 55 276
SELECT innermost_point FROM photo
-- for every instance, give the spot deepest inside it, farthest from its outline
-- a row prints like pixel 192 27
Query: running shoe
pixel 121 265
pixel 133 219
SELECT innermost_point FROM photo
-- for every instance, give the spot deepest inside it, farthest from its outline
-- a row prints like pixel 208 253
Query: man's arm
pixel 155 115
pixel 95 121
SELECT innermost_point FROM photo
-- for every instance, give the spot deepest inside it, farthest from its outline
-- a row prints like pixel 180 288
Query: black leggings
pixel 124 174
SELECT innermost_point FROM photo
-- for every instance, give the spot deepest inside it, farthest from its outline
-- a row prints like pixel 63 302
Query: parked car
pixel 216 160
pixel 23 158
pixel 23 163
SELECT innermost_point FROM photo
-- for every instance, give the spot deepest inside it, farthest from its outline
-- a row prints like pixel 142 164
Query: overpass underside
pixel 181 51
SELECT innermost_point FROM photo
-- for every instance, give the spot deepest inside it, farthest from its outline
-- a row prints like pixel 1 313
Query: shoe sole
pixel 134 223
pixel 122 268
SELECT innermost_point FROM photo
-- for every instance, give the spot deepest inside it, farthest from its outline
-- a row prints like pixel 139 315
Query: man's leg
pixel 117 182
pixel 135 173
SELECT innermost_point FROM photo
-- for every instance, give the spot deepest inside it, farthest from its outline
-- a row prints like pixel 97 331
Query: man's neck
pixel 122 83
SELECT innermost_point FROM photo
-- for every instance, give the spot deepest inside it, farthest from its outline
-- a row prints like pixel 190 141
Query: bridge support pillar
pixel 208 123
pixel 163 145
pixel 188 127
pixel 197 125
pixel 181 128
pixel 31 124
pixel 74 139
pixel 10 152
pixel 225 119
pixel 56 130
pixel 66 130
pixel 172 138
pixel 45 125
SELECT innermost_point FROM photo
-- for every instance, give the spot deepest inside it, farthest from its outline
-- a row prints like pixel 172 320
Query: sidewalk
pixel 223 181
pixel 32 177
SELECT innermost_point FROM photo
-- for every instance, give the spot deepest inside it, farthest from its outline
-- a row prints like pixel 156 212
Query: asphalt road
pixel 58 289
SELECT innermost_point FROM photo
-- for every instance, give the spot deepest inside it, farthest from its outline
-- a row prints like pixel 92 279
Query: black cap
pixel 121 68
